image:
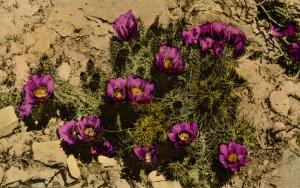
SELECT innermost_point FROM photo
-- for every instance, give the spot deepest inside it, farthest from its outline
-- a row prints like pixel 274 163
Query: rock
pixel 122 184
pixel 64 71
pixel 49 153
pixel 107 162
pixel 21 69
pixel 73 167
pixel 38 185
pixel 8 120
pixel 166 184
pixel 280 102
pixel 279 126
pixel 57 181
pixel 15 174
pixel 1 174
pixel 153 176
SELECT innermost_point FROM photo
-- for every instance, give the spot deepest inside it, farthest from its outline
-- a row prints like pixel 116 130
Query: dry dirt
pixel 75 31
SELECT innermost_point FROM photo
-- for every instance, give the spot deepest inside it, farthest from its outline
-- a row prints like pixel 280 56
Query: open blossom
pixel 206 44
pixel 183 133
pixel 190 36
pixel 294 51
pixel 276 32
pixel 25 109
pixel 147 154
pixel 89 128
pixel 38 89
pixel 68 132
pixel 103 148
pixel 126 26
pixel 169 60
pixel 291 29
pixel 139 90
pixel 233 156
pixel 116 89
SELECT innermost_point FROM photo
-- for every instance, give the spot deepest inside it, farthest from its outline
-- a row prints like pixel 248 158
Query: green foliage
pixel 11 98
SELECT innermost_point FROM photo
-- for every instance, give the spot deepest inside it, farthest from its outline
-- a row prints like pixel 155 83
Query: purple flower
pixel 126 26
pixel 233 156
pixel 230 34
pixel 191 35
pixel 219 48
pixel 206 30
pixel 291 29
pixel 169 60
pixel 38 88
pixel 68 132
pixel 218 29
pixel 183 133
pixel 294 51
pixel 238 49
pixel 139 90
pixel 206 44
pixel 116 89
pixel 25 109
pixel 276 32
pixel 103 148
pixel 147 154
pixel 89 128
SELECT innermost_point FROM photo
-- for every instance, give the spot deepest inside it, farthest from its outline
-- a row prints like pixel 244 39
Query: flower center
pixel 89 131
pixel 184 136
pixel 167 63
pixel 232 158
pixel 118 94
pixel 40 92
pixel 74 132
pixel 148 157
pixel 137 91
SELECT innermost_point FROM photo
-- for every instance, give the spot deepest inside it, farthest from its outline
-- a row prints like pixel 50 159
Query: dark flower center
pixel 184 136
pixel 232 158
pixel 148 157
pixel 89 131
pixel 137 91
pixel 167 63
pixel 117 94
pixel 40 92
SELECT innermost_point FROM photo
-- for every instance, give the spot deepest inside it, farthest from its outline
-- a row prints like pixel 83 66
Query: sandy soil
pixel 74 31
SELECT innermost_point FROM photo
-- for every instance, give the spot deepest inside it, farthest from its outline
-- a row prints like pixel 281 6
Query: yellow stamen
pixel 184 136
pixel 137 91
pixel 148 157
pixel 118 94
pixel 89 131
pixel 167 63
pixel 232 158
pixel 40 92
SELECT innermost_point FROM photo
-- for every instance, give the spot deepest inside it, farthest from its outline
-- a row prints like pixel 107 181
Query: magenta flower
pixel 169 60
pixel 294 51
pixel 233 156
pixel 68 132
pixel 291 29
pixel 25 109
pixel 206 44
pixel 38 88
pixel 139 90
pixel 218 28
pixel 183 133
pixel 147 154
pixel 126 26
pixel 89 128
pixel 276 32
pixel 219 49
pixel 206 30
pixel 190 36
pixel 116 89
pixel 103 148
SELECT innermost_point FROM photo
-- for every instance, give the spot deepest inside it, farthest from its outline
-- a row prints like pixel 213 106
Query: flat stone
pixel 49 153
pixel 153 176
pixel 64 71
pixel 15 174
pixel 8 120
pixel 166 184
pixel 73 167
pixel 280 102
pixel 107 162
pixel 122 184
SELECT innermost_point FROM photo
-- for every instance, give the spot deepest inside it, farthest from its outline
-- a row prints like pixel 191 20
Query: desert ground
pixel 74 31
